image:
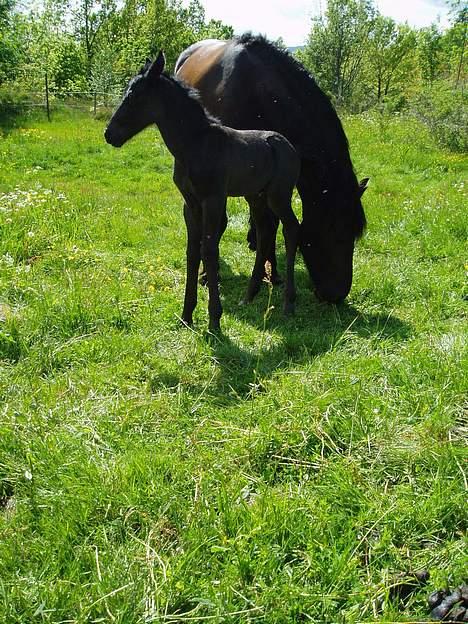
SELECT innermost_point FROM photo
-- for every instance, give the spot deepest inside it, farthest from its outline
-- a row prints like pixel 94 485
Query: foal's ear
pixel 362 186
pixel 146 66
pixel 157 67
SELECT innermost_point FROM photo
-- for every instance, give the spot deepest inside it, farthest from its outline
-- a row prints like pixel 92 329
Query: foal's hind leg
pixel 269 226
pixel 192 216
pixel 262 223
pixel 203 279
pixel 213 212
pixel 279 201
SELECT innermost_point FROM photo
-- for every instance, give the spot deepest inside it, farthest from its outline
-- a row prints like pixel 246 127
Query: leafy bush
pixel 13 100
pixel 444 110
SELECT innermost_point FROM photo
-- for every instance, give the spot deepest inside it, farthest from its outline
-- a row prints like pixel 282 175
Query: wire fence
pixel 93 101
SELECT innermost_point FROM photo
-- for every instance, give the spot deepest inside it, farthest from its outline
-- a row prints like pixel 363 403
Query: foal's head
pixel 140 106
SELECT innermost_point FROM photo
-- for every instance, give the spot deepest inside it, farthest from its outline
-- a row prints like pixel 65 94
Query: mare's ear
pixel 362 186
pixel 157 67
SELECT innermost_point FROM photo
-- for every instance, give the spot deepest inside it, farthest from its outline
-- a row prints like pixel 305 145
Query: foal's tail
pixel 287 162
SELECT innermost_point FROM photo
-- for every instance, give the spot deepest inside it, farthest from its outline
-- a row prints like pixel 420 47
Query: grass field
pixel 286 472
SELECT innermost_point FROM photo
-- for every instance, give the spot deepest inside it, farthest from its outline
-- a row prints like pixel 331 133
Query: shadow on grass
pixel 244 365
pixel 316 328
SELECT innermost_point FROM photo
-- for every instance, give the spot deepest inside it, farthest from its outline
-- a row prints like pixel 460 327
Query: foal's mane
pixel 198 111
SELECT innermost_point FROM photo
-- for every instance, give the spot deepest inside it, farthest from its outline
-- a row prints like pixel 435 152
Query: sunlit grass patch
pixel 286 471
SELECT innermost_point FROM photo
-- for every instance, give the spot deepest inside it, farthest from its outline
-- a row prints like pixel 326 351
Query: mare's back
pixel 251 84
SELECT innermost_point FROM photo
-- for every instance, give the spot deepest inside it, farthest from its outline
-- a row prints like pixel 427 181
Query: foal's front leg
pixel 213 211
pixel 194 232
pixel 222 229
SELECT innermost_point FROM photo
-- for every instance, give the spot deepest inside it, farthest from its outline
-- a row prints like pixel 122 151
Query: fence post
pixel 95 103
pixel 47 95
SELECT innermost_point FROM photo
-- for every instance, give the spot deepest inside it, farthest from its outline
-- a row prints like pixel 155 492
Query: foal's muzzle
pixel 113 138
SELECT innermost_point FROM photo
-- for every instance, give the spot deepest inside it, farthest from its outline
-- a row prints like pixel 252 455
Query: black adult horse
pixel 248 82
pixel 213 162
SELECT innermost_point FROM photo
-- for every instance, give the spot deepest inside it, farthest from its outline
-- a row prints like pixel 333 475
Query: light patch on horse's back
pixel 197 65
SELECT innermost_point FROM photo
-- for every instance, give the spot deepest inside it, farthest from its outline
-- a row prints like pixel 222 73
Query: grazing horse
pixel 213 162
pixel 248 82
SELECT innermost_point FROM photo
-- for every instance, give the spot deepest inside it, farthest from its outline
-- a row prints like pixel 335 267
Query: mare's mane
pixel 300 83
pixel 328 147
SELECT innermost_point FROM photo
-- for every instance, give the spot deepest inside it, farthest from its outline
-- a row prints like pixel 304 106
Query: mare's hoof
pixel 186 322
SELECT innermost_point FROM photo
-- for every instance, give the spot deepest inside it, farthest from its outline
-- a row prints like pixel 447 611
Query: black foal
pixel 213 162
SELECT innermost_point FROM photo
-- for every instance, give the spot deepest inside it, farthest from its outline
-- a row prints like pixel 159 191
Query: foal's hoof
pixel 186 322
pixel 289 308
pixel 276 279
pixel 203 279
pixel 214 330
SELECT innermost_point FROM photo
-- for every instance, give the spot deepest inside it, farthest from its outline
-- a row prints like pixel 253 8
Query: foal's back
pixel 253 160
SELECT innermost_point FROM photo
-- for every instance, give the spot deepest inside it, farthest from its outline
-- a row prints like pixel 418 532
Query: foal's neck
pixel 183 119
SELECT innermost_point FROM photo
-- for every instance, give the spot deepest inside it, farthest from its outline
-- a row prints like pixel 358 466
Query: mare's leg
pixel 213 215
pixel 192 216
pixel 269 227
pixel 279 201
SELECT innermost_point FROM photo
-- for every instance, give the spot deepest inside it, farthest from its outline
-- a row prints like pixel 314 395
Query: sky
pixel 290 19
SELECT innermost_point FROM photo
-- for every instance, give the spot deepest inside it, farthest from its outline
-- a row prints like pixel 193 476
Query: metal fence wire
pixel 91 101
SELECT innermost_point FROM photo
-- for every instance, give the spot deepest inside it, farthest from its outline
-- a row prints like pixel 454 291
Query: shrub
pixel 13 103
pixel 443 109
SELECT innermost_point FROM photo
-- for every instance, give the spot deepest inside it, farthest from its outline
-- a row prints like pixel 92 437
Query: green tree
pixel 143 27
pixel 458 38
pixel 216 29
pixel 430 48
pixel 336 47
pixel 89 17
pixel 10 48
pixel 389 45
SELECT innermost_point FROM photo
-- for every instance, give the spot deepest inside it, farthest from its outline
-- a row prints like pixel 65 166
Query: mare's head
pixel 328 237
pixel 140 106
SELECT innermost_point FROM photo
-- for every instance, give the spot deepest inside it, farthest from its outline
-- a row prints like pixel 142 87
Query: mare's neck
pixel 182 121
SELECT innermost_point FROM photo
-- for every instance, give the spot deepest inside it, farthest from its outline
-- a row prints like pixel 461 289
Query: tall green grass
pixel 286 472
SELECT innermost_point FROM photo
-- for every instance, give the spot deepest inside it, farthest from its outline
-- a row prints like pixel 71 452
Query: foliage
pixel 389 48
pixel 335 49
pixel 444 109
pixel 9 48
pixel 362 58
pixel 430 47
pixel 13 100
pixel 89 18
pixel 97 44
pixel 286 472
